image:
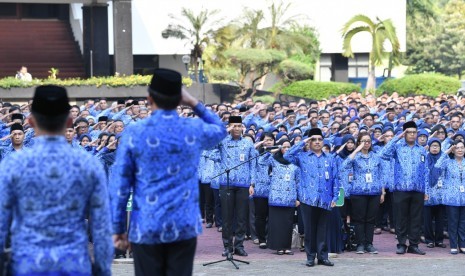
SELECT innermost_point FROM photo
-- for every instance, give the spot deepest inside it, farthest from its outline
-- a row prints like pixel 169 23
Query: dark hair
pixel 359 139
pixel 100 136
pixel 267 134
pixel 51 123
pixel 455 143
pixel 80 120
pixel 165 102
pixel 108 139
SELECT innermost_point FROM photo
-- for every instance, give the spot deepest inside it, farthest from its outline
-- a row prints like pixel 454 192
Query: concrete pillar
pixel 95 33
pixel 122 34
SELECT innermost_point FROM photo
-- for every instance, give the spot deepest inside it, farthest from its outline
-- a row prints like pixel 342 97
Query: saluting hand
pixel 449 150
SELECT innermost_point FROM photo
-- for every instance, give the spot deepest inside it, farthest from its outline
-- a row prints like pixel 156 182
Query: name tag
pixel 423 158
pixel 326 175
pixel 287 177
pixel 351 177
pixel 242 157
pixel 439 183
pixel 462 189
pixel 368 178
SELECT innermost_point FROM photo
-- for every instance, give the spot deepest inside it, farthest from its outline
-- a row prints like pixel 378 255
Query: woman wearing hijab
pixel 282 200
pixel 262 189
pixel 434 210
pixel 453 167
pixel 366 191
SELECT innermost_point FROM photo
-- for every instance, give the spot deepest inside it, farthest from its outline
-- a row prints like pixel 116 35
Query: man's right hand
pixel 120 241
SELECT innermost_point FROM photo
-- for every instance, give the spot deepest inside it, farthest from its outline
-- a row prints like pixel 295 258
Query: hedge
pixel 421 84
pixel 125 81
pixel 319 90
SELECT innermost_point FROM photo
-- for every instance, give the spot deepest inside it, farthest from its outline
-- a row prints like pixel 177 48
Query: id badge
pixel 287 177
pixel 439 183
pixel 327 175
pixel 368 178
pixel 242 157
pixel 423 158
pixel 462 189
pixel 351 177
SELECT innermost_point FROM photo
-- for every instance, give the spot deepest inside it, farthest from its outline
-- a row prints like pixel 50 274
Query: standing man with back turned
pixel 158 158
pixel 47 192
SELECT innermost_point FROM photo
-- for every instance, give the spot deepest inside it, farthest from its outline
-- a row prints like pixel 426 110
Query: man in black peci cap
pixel 158 159
pixel 47 196
pixel 411 177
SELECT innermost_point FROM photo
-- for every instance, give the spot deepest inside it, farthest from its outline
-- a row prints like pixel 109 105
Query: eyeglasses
pixel 316 139
pixel 441 132
pixel 365 141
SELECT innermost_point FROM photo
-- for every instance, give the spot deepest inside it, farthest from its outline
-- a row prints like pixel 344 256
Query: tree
pixel 195 32
pixel 381 31
pixel 451 48
pixel 257 61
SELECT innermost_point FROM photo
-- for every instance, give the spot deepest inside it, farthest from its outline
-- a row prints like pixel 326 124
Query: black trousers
pixel 217 207
pixel 434 214
pixel 456 226
pixel 409 216
pixel 168 259
pixel 234 203
pixel 385 213
pixel 206 202
pixel 364 212
pixel 261 216
pixel 315 225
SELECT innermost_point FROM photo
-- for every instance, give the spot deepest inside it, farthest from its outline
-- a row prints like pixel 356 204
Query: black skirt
pixel 280 225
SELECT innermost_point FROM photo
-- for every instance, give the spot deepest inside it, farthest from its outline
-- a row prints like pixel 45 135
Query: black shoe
pixel 225 252
pixel 131 256
pixel 401 249
pixel 371 249
pixel 430 245
pixel 120 256
pixel 441 245
pixel 241 252
pixel 310 263
pixel 209 225
pixel 262 245
pixel 415 250
pixel 360 249
pixel 220 229
pixel 325 262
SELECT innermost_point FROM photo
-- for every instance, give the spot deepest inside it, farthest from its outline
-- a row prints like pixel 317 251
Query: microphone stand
pixel 229 255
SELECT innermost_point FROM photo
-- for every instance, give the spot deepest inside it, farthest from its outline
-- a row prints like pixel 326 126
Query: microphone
pixel 273 147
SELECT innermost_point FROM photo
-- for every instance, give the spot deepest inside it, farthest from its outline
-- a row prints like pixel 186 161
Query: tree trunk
pixel 371 81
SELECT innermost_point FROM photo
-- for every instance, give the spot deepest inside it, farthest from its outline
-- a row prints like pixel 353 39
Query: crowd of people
pixel 397 161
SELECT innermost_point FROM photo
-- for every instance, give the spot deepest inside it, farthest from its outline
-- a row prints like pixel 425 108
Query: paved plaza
pixel 437 261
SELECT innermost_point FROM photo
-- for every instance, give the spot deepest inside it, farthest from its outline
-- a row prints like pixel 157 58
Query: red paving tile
pixel 210 247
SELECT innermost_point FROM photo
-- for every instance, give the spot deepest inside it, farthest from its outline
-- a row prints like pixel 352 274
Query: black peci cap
pixel 235 120
pixel 409 124
pixel 166 82
pixel 16 127
pixel 50 100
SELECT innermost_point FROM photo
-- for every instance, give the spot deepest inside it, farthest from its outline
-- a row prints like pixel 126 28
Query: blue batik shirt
pixel 318 186
pixel 284 181
pixel 411 173
pixel 48 191
pixel 262 186
pixel 158 158
pixel 453 190
pixel 206 168
pixel 367 174
pixel 230 153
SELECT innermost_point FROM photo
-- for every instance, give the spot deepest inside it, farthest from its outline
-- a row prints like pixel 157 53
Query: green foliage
pixel 267 99
pixel 222 74
pixel 319 90
pixel 421 84
pixel 125 81
pixel 293 70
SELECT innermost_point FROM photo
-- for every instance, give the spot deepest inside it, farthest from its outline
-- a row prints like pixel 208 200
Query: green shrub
pixel 268 99
pixel 421 84
pixel 319 90
pixel 126 81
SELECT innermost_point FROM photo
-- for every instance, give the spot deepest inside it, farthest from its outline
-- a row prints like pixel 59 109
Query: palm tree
pixel 195 31
pixel 381 31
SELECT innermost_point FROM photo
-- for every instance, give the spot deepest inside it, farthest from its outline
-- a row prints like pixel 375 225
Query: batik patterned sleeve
pixel 6 201
pixel 336 184
pixel 292 154
pixel 120 185
pixel 100 223
pixel 213 131
pixel 253 165
pixel 442 161
pixel 389 151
